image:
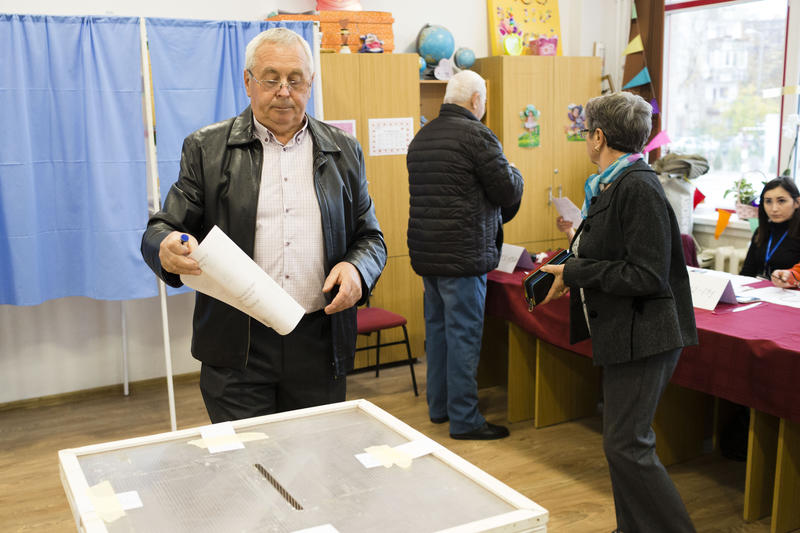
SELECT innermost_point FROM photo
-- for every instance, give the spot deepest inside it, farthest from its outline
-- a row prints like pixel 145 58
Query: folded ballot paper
pixel 229 275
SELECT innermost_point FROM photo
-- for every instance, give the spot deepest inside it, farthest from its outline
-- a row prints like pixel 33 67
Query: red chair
pixel 374 320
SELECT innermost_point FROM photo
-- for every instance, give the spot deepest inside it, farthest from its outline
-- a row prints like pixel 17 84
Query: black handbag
pixel 537 284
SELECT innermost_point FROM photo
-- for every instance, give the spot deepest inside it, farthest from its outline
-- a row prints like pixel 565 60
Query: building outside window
pixel 723 63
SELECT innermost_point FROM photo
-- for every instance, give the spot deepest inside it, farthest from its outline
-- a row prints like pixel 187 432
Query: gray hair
pixel 463 85
pixel 625 118
pixel 283 36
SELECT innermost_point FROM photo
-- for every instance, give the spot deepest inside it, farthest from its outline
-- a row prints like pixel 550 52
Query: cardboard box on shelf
pixel 356 23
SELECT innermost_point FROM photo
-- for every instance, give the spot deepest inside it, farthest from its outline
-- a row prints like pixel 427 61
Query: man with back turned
pixel 462 191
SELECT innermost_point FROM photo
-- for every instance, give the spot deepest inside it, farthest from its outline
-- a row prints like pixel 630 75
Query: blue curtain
pixel 73 198
pixel 198 79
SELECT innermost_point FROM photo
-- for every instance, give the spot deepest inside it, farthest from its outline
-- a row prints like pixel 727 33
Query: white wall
pixel 75 343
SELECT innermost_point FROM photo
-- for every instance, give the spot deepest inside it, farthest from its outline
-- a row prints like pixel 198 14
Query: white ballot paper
pixel 568 210
pixel 708 289
pixel 230 276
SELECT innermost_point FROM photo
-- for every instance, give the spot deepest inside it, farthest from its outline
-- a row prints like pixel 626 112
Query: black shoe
pixel 440 420
pixel 487 431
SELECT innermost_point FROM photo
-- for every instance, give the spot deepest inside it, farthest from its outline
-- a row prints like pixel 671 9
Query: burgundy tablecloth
pixel 751 357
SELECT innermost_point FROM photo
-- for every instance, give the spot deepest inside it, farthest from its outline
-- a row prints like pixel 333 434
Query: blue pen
pixel 184 239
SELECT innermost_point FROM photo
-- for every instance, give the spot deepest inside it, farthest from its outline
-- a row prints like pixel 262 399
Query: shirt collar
pixel 263 133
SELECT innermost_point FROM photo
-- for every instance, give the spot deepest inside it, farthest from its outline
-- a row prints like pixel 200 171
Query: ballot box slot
pixel 282 491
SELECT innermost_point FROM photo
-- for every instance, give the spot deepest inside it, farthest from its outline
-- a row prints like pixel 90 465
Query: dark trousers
pixel 645 499
pixel 282 373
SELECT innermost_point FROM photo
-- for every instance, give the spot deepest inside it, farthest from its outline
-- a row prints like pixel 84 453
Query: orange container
pixel 357 23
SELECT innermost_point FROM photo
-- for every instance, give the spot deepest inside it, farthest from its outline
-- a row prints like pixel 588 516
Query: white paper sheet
pixel 230 276
pixel 776 295
pixel 745 293
pixel 709 289
pixel 510 256
pixel 568 210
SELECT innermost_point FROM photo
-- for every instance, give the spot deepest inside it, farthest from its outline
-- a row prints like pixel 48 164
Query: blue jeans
pixel 453 330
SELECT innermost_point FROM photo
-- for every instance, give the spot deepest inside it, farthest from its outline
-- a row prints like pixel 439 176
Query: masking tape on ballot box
pixel 227 441
pixel 401 455
pixel 109 505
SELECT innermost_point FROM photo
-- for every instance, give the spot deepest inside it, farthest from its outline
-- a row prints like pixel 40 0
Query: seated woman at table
pixel 786 278
pixel 630 293
pixel 776 242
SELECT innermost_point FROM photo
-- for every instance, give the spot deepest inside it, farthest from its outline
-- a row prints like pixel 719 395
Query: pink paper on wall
pixel 657 142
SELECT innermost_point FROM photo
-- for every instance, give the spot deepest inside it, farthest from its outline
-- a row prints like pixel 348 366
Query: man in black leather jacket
pixel 291 192
pixel 462 190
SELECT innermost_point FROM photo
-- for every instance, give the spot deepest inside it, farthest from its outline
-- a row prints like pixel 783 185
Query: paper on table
pixel 230 276
pixel 778 296
pixel 568 210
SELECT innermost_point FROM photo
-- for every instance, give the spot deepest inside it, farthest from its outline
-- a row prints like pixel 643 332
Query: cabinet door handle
pixel 550 195
pixel 560 191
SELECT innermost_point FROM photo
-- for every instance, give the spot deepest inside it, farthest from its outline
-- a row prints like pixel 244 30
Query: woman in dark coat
pixel 630 292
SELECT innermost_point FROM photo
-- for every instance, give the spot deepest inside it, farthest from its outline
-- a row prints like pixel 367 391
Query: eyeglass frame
pixel 277 85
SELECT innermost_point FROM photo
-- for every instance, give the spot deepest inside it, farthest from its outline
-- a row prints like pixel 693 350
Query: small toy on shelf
pixel 371 44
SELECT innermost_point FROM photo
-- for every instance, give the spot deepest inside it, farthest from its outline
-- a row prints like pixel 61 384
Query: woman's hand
pixel 558 289
pixel 785 279
pixel 565 226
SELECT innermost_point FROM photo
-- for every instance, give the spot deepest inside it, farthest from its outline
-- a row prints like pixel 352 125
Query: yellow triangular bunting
pixel 634 46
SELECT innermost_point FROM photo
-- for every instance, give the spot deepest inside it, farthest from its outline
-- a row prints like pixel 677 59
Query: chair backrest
pixel 689 250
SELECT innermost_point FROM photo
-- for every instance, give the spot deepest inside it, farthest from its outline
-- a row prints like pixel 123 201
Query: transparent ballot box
pixel 346 467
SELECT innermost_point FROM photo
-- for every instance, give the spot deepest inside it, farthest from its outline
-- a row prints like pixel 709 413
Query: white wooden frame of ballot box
pixel 313 467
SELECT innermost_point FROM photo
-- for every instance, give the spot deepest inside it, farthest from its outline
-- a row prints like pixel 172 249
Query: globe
pixel 464 57
pixel 422 64
pixel 435 43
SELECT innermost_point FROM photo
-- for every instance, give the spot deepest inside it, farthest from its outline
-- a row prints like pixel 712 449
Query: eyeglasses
pixel 584 133
pixel 276 85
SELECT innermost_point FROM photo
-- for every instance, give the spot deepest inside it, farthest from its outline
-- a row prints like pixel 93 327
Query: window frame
pixel 790 103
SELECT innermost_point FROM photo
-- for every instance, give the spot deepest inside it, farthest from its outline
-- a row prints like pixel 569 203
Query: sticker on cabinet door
pixel 530 122
pixel 577 122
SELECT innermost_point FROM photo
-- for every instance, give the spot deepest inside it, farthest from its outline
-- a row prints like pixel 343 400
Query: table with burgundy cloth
pixel 750 358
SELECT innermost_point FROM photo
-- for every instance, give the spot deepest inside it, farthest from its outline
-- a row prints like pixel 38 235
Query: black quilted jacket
pixel 462 190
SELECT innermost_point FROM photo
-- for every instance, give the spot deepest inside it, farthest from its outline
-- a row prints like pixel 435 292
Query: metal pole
pixel 152 167
pixel 125 389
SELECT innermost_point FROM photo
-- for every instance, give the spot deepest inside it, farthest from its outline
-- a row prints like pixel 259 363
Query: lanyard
pixel 770 250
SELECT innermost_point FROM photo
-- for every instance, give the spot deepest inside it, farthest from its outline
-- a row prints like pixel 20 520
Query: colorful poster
pixel 530 122
pixel 577 121
pixel 518 26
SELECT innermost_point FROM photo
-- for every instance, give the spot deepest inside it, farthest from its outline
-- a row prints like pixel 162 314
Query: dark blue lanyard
pixel 770 250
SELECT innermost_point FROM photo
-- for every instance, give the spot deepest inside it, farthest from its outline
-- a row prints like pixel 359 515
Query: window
pixel 720 58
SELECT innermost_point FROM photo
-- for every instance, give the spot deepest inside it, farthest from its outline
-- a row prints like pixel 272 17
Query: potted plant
pixel 745 198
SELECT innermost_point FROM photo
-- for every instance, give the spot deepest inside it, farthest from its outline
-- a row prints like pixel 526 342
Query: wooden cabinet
pixel 367 86
pixel 557 165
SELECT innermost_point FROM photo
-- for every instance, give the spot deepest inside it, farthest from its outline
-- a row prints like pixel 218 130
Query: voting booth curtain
pixel 73 184
pixel 73 198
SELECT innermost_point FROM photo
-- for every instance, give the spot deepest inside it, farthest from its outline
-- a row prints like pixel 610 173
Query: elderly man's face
pixel 280 108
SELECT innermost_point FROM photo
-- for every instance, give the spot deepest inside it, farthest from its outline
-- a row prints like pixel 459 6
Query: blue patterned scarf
pixel 612 172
